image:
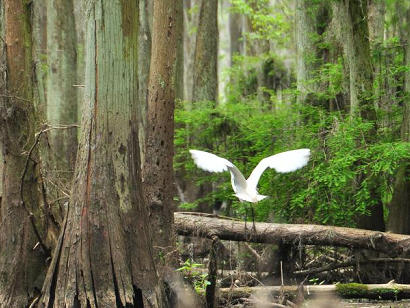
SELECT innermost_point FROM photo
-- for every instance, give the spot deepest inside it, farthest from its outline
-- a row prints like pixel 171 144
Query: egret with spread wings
pixel 246 189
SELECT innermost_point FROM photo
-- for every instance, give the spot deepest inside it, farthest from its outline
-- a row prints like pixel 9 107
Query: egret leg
pixel 253 219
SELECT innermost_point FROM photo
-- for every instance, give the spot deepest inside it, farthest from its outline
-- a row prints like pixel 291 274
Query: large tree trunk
pixel 399 214
pixel 22 261
pixel 104 255
pixel 61 104
pixel 158 171
pixel 205 86
pixel 234 230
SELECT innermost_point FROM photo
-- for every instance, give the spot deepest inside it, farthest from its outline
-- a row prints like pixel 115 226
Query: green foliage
pixel 193 276
pixel 354 161
pixel 336 185
pixel 267 22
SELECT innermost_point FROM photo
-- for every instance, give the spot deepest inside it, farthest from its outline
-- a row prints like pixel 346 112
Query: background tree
pixel 104 255
pixel 205 85
pixel 399 214
pixel 356 46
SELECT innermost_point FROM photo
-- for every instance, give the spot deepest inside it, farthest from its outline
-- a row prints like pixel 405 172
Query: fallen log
pixel 337 265
pixel 234 230
pixel 349 290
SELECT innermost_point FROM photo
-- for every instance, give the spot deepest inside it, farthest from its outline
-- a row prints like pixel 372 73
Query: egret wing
pixel 212 163
pixel 237 179
pixel 283 162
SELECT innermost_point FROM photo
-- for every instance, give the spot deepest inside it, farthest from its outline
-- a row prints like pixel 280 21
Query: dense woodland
pixel 101 100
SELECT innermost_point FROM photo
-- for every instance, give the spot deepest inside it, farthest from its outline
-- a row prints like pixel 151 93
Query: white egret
pixel 246 190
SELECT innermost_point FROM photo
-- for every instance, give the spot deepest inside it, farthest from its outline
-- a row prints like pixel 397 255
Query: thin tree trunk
pixel 22 260
pixel 104 255
pixel 205 86
pixel 190 21
pixel 179 65
pixel 235 34
pixel 305 48
pixel 158 176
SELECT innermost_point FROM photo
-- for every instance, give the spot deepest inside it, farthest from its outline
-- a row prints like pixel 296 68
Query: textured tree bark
pixel 399 207
pixel 61 105
pixel 104 255
pixel 144 56
pixel 158 167
pixel 205 85
pixel 22 260
pixel 389 243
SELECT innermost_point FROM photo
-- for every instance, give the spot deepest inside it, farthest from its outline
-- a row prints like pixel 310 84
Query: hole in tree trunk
pixel 138 301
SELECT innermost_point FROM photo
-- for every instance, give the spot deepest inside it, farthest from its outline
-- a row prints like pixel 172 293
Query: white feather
pixel 246 189
pixel 210 162
pixel 283 162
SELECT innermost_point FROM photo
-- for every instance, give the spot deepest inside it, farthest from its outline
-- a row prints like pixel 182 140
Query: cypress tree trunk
pixel 158 171
pixel 22 260
pixel 104 255
pixel 61 105
pixel 205 86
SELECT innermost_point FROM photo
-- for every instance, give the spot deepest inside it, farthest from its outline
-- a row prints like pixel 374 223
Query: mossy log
pixel 235 230
pixel 392 291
